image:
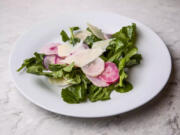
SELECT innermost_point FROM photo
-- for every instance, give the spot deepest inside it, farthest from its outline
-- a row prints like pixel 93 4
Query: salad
pixel 89 63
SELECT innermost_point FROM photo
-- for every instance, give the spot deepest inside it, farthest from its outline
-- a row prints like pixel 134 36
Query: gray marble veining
pixel 20 117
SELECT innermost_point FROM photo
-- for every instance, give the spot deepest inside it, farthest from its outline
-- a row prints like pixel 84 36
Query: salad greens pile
pixel 122 51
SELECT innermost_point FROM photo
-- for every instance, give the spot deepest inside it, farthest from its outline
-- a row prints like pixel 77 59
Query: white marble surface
pixel 20 117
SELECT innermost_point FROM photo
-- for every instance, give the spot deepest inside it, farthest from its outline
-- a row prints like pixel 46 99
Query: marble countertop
pixel 20 117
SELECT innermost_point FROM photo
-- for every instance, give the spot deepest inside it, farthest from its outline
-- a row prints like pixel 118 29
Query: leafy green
pixel 69 96
pixel 56 67
pixel 123 75
pixel 73 78
pixel 125 88
pixel 69 67
pixel 134 60
pixel 35 69
pixel 99 93
pixel 68 72
pixel 74 28
pixel 114 51
pixel 127 34
pixel 64 36
pixel 123 40
pixel 122 64
pixel 88 29
pixel 72 40
pixel 90 40
pixel 76 93
pixel 35 64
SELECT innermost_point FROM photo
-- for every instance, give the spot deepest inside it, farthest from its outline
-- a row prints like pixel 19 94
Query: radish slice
pixel 94 68
pixel 58 60
pixel 110 74
pixel 97 81
pixel 108 36
pixel 50 49
pixel 49 59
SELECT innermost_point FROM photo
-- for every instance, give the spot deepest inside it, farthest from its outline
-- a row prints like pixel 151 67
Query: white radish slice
pixel 94 68
pixel 97 82
pixel 59 82
pixel 82 34
pixel 49 59
pixel 110 74
pixel 50 49
pixel 102 44
pixel 58 60
pixel 83 57
pixel 96 31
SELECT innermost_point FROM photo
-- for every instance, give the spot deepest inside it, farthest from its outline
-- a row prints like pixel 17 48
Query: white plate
pixel 148 78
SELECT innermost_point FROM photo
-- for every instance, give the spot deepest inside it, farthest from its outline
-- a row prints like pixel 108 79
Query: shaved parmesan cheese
pixel 78 46
pixel 64 50
pixel 67 49
pixel 96 31
pixel 83 57
pixel 59 82
pixel 101 44
pixel 82 34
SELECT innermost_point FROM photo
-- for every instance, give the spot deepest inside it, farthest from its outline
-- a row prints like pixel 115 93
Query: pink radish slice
pixel 97 82
pixel 58 60
pixel 50 49
pixel 49 59
pixel 110 74
pixel 94 68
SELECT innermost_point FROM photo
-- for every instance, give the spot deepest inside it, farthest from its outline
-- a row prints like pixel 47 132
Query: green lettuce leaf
pixel 90 40
pixel 99 93
pixel 127 34
pixel 64 36
pixel 134 60
pixel 125 88
pixel 69 67
pixel 36 62
pixel 72 39
pixel 76 93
